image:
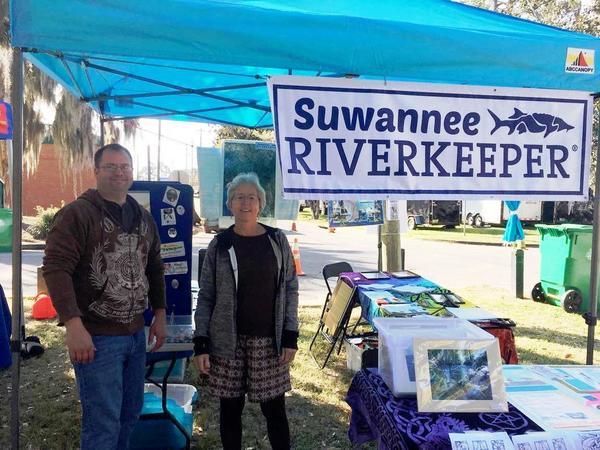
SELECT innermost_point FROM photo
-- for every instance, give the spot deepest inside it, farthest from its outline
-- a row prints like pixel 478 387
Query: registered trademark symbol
pixel 574 148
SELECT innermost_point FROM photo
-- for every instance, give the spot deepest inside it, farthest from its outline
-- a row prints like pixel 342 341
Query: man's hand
pixel 287 355
pixel 158 329
pixel 79 342
pixel 202 363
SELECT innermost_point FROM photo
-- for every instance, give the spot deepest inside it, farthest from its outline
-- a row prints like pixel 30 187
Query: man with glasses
pixel 102 266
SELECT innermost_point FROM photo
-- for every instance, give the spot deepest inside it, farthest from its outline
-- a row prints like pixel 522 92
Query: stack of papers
pixel 403 310
pixel 381 297
pixel 472 313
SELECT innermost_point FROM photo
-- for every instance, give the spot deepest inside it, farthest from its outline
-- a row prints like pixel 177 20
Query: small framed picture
pixel 459 375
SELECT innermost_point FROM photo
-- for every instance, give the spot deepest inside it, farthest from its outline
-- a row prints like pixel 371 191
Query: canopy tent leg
pixel 16 191
pixel 379 249
pixel 591 315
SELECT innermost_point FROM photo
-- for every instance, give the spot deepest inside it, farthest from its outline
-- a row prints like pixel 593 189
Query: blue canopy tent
pixel 207 60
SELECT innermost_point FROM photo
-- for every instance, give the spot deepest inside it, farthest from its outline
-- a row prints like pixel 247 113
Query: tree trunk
pixel 314 207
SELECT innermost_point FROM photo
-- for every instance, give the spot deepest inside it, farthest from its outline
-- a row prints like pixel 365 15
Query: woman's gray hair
pixel 247 178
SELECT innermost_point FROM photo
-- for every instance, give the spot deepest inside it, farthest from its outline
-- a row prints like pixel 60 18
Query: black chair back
pixel 334 270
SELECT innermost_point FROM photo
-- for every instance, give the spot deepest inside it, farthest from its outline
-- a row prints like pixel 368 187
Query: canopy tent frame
pixel 81 68
pixel 16 192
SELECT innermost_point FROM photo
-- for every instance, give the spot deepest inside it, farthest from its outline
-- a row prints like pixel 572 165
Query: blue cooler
pixel 163 433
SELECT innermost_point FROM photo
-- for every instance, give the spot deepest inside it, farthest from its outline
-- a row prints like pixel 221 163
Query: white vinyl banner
pixel 360 139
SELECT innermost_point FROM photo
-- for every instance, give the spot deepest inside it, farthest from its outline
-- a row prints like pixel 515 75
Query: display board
pixel 171 206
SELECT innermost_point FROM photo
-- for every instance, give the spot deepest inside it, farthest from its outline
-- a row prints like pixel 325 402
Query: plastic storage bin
pixel 396 359
pixel 162 433
pixel 566 253
pixel 358 358
pixel 177 374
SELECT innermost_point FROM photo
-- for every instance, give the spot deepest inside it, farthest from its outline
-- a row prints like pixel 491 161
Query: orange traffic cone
pixel 43 308
pixel 294 226
pixel 296 255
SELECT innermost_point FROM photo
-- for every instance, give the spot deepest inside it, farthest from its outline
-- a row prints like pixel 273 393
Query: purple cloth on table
pixel 396 424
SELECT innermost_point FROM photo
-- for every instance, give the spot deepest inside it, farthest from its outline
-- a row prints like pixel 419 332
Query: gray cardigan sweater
pixel 215 316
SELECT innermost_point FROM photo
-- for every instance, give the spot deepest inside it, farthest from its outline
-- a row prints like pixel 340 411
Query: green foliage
pixel 43 222
pixel 249 134
pixel 576 15
pixel 241 157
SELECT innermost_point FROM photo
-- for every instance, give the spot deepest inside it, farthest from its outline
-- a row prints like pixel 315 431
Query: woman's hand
pixel 202 363
pixel 287 355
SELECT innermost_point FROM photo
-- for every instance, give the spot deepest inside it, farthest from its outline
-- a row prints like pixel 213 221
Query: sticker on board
pixel 172 250
pixel 167 216
pixel 171 196
pixel 176 268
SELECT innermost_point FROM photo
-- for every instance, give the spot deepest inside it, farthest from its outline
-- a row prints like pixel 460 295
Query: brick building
pixel 51 183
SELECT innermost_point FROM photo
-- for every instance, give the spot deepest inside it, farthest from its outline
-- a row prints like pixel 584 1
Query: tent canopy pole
pixel 16 191
pixel 591 316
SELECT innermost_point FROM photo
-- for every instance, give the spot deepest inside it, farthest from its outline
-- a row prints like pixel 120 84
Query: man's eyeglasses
pixel 115 167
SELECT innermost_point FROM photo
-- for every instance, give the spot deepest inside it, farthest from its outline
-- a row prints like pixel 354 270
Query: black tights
pixel 231 422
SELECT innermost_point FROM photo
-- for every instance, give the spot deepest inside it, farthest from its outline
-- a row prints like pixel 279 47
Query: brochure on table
pixel 556 397
pixel 544 440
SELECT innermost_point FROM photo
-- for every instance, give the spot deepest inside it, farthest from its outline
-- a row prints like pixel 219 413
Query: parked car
pixel 433 212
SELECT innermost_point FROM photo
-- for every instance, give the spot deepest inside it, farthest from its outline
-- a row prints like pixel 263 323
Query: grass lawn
pixel 50 413
pixel 306 215
pixel 484 235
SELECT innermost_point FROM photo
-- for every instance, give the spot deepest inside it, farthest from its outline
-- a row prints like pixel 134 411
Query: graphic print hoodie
pixel 96 270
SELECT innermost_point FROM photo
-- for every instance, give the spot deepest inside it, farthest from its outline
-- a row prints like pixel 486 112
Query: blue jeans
pixel 111 390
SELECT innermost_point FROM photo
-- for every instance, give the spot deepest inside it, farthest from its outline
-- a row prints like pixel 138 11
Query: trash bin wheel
pixel 572 301
pixel 537 293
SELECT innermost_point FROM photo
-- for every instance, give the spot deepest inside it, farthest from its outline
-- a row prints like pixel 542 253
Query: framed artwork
pixel 459 375
pixel 348 213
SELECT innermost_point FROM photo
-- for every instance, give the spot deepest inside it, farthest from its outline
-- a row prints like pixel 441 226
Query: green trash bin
pixel 566 254
pixel 5 230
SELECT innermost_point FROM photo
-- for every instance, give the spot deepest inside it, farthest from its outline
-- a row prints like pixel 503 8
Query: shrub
pixel 43 222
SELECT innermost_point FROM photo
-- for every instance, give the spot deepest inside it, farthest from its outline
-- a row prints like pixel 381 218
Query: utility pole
pixel 148 149
pixel 158 157
pixel 392 253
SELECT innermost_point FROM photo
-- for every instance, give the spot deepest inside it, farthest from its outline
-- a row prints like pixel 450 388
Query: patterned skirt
pixel 255 370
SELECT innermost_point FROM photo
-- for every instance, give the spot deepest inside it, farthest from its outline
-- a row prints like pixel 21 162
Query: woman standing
pixel 247 317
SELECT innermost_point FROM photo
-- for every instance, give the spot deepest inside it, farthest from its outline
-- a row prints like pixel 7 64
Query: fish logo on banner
pixel 6 128
pixel 533 123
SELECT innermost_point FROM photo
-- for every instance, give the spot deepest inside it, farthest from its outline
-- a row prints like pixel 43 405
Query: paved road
pixel 455 266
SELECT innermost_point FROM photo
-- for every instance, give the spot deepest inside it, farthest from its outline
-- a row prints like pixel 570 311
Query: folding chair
pixel 331 271
pixel 334 270
pixel 334 319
